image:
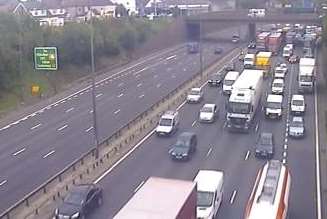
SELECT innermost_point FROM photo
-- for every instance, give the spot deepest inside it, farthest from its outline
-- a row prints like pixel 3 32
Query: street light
pixel 200 45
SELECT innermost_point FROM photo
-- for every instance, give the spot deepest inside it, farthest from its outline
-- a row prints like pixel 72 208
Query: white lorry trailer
pixel 306 75
pixel 244 100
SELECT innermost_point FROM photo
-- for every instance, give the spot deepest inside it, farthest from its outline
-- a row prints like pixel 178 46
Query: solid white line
pixel 247 155
pixel 120 95
pixel 62 128
pixel 6 127
pixel 141 96
pixel 34 127
pixel 15 123
pixel 180 106
pixel 139 85
pixel 139 186
pixel 209 152
pixel 70 109
pixel 117 111
pixel 233 197
pixel 18 152
pixel 170 57
pixel 121 84
pixel 89 129
pixel 193 124
pixel 99 95
pixel 3 182
pixel 48 154
pixel 34 114
pixel 317 157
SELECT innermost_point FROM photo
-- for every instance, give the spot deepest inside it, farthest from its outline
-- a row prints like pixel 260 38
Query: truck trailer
pixel 244 100
pixel 161 198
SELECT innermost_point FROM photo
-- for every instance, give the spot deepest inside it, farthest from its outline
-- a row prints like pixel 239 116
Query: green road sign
pixel 45 58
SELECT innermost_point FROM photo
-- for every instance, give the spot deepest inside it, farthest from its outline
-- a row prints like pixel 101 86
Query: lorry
pixel 306 76
pixel 273 106
pixel 263 62
pixel 162 198
pixel 249 60
pixel 274 43
pixel 262 41
pixel 244 100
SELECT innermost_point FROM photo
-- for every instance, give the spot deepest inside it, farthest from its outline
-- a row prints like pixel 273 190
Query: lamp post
pixel 200 52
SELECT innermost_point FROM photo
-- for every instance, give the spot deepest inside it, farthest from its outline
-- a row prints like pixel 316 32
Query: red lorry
pixel 161 198
pixel 275 43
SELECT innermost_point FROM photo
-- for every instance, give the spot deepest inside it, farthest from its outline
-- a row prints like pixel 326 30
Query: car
pixel 184 147
pixel 215 79
pixel 296 128
pixel 79 201
pixel 265 147
pixel 195 95
pixel 277 86
pixel 230 66
pixel 284 67
pixel 168 123
pixel 218 50
pixel 235 38
pixel 294 59
pixel 297 104
pixel 252 45
pixel 208 112
pixel 280 72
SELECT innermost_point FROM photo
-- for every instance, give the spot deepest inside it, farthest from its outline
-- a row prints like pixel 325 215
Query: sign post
pixel 45 58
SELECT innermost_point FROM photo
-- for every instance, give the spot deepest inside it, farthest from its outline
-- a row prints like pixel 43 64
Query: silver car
pixel 208 113
pixel 296 128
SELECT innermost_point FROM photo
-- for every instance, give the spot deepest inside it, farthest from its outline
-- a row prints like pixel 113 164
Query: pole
pixel 201 56
pixel 20 45
pixel 95 129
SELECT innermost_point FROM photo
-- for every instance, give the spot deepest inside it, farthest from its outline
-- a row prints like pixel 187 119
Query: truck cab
pixel 209 193
pixel 168 123
pixel 273 106
pixel 249 60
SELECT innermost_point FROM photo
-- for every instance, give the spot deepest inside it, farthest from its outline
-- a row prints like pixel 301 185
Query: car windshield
pixel 274 105
pixel 165 122
pixel 194 92
pixel 297 102
pixel 74 198
pixel 277 84
pixel 182 142
pixel 228 82
pixel 279 71
pixel 297 124
pixel 204 199
pixel 206 109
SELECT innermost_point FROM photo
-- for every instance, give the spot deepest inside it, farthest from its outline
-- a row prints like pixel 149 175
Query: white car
pixel 280 72
pixel 277 86
pixel 297 104
pixel 296 128
pixel 195 95
pixel 208 113
pixel 168 123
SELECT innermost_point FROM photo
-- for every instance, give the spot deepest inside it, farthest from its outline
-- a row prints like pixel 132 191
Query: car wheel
pixel 100 201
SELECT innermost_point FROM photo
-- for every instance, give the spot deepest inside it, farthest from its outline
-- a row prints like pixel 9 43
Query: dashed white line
pixel 34 114
pixel 97 85
pixel 62 128
pixel 170 57
pixel 91 111
pixel 47 108
pixel 117 111
pixel 18 152
pixel 69 98
pixel 120 95
pixel 99 95
pixel 56 104
pixel 3 182
pixel 36 126
pixel 285 140
pixel 247 155
pixel 233 197
pixel 48 154
pixel 193 123
pixel 70 109
pixel 121 84
pixel 284 154
pixel 209 152
pixel 284 161
pixel 139 186
pixel 89 129
pixel 285 146
pixel 139 85
pixel 136 73
pixel 141 96
pixel 256 127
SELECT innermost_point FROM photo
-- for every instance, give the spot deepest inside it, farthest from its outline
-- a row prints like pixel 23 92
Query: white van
pixel 273 107
pixel 168 123
pixel 209 193
pixel 249 60
pixel 297 104
pixel 277 86
pixel 229 80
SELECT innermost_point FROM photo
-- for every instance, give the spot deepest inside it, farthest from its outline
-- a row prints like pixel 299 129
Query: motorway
pixel 219 149
pixel 39 145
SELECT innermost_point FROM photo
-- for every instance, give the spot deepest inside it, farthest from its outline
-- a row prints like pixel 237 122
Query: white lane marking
pixel 285 140
pixel 317 157
pixel 91 111
pixel 209 152
pixel 120 95
pixel 285 146
pixel 139 186
pixel 26 117
pixel 170 57
pixel 62 128
pixel 56 104
pixel 6 127
pixel 18 152
pixel 41 111
pixel 247 155
pixel 117 111
pixel 64 101
pixel 139 85
pixel 184 69
pixel 121 84
pixel 97 86
pixel 284 154
pixel 99 95
pixel 34 114
pixel 89 129
pixel 180 106
pixel 48 154
pixel 69 98
pixel 137 76
pixel 141 96
pixel 138 72
pixel 3 182
pixel 284 161
pixel 233 197
pixel 193 123
pixel 70 109
pixel 81 93
pixel 257 127
pixel 47 108
pixel 36 126
pixel 158 85
pixel 15 123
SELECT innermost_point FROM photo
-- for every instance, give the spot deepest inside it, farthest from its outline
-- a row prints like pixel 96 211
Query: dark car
pixel 184 147
pixel 230 66
pixel 264 147
pixel 80 200
pixel 294 59
pixel 252 45
pixel 218 50
pixel 215 79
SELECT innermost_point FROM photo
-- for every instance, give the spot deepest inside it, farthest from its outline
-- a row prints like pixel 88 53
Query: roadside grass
pixel 8 101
